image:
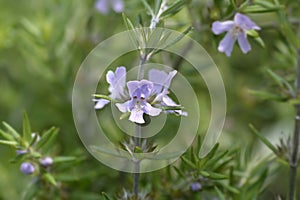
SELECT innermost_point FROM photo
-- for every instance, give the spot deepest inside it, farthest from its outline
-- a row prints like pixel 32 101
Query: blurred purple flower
pixel 236 30
pixel 21 151
pixel 47 161
pixel 103 6
pixel 196 186
pixel 27 168
pixel 139 92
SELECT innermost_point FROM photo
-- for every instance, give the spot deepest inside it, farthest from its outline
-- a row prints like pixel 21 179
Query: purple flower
pixel 139 92
pixel 27 168
pixel 236 30
pixel 140 97
pixel 103 6
pixel 47 161
pixel 21 151
pixel 196 186
pixel 117 84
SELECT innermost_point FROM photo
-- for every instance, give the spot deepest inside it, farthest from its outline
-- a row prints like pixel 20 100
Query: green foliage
pixel 42 44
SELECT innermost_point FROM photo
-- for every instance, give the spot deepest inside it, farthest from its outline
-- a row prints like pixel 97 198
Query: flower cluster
pixel 236 30
pixel 148 97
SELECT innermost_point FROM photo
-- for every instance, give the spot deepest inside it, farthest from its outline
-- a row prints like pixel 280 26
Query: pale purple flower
pixel 196 186
pixel 27 168
pixel 21 151
pixel 103 6
pixel 47 161
pixel 236 30
pixel 140 97
pixel 117 84
pixel 139 92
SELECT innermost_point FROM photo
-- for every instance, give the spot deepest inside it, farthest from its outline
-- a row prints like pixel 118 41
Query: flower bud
pixel 21 151
pixel 47 161
pixel 196 186
pixel 27 168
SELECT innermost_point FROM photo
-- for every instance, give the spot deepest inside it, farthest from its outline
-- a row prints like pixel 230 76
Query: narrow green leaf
pixel 229 188
pixel 217 176
pixel 148 7
pixel 130 27
pixel 49 178
pixel 276 78
pixel 46 137
pixel 157 6
pixel 101 96
pixel 220 194
pixel 10 143
pixel 106 197
pixel 61 159
pixel 268 96
pixel 12 131
pixel 260 42
pixel 30 192
pixel 26 127
pixel 188 162
pixel 281 82
pixel 252 33
pixel 6 135
pixel 179 172
pixel 177 39
pixel 264 140
pixel 174 8
pixel 204 173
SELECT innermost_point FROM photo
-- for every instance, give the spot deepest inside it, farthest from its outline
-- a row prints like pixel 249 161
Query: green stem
pixel 138 132
pixel 294 156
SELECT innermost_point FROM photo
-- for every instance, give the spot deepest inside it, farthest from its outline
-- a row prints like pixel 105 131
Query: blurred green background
pixel 43 43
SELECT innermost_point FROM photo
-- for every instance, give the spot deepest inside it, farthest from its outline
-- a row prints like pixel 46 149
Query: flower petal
pixel 136 115
pixel 150 110
pixel 118 5
pixel 132 87
pixel 145 88
pixel 117 82
pixel 220 27
pixel 100 103
pixel 160 80
pixel 102 6
pixel 157 77
pixel 243 43
pixel 123 107
pixel 139 88
pixel 245 22
pixel 226 45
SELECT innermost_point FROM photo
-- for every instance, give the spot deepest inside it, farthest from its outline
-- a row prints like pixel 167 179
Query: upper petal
pixel 160 80
pixel 139 88
pixel 100 103
pixel 243 42
pixel 226 45
pixel 117 82
pixel 220 27
pixel 157 77
pixel 245 22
